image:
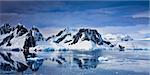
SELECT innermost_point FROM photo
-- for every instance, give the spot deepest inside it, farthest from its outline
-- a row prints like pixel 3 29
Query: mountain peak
pixel 35 29
pixel 89 35
pixel 5 28
pixel 20 30
pixel 37 34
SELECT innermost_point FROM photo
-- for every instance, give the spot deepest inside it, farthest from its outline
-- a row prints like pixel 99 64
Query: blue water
pixel 78 62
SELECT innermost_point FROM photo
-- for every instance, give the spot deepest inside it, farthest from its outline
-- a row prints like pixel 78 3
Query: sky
pixel 61 14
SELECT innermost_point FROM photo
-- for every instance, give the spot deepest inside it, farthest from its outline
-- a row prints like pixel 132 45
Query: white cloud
pixel 145 14
pixel 144 31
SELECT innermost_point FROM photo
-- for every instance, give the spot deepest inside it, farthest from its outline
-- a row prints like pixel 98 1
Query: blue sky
pixel 125 17
pixel 75 13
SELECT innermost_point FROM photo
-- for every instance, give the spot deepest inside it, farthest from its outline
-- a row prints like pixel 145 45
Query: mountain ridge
pixel 22 37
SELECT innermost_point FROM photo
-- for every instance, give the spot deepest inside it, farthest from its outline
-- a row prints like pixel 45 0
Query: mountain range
pixel 90 41
pixel 22 37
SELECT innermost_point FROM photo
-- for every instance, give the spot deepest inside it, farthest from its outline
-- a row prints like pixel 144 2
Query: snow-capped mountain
pixel 13 43
pixel 71 39
pixel 6 28
pixel 117 37
pixel 19 36
pixel 84 39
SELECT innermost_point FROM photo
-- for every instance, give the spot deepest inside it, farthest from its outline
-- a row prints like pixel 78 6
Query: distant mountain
pixel 117 37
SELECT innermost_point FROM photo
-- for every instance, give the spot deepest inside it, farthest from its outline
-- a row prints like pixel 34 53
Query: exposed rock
pixel 6 28
pixel 61 38
pixel 7 40
pixel 89 35
pixel 121 48
pixel 37 35
pixel 60 32
pixel 20 30
pixel 29 42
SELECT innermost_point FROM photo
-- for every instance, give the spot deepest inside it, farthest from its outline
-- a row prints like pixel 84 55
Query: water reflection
pixel 86 60
pixel 34 63
pixel 86 63
pixel 83 59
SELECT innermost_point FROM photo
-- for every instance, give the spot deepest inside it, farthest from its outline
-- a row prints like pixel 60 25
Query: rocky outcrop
pixel 7 40
pixel 6 28
pixel 61 38
pixel 89 35
pixel 20 30
pixel 37 35
pixel 29 41
pixel 11 34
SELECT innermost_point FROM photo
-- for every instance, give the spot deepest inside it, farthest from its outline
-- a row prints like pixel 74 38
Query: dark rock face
pixel 6 28
pixel 21 30
pixel 57 35
pixel 7 40
pixel 107 42
pixel 126 38
pixel 8 44
pixel 61 38
pixel 90 34
pixel 67 41
pixel 35 29
pixel 60 32
pixel 50 38
pixel 77 36
pixel 58 61
pixel 121 48
pixel 37 35
pixel 29 42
